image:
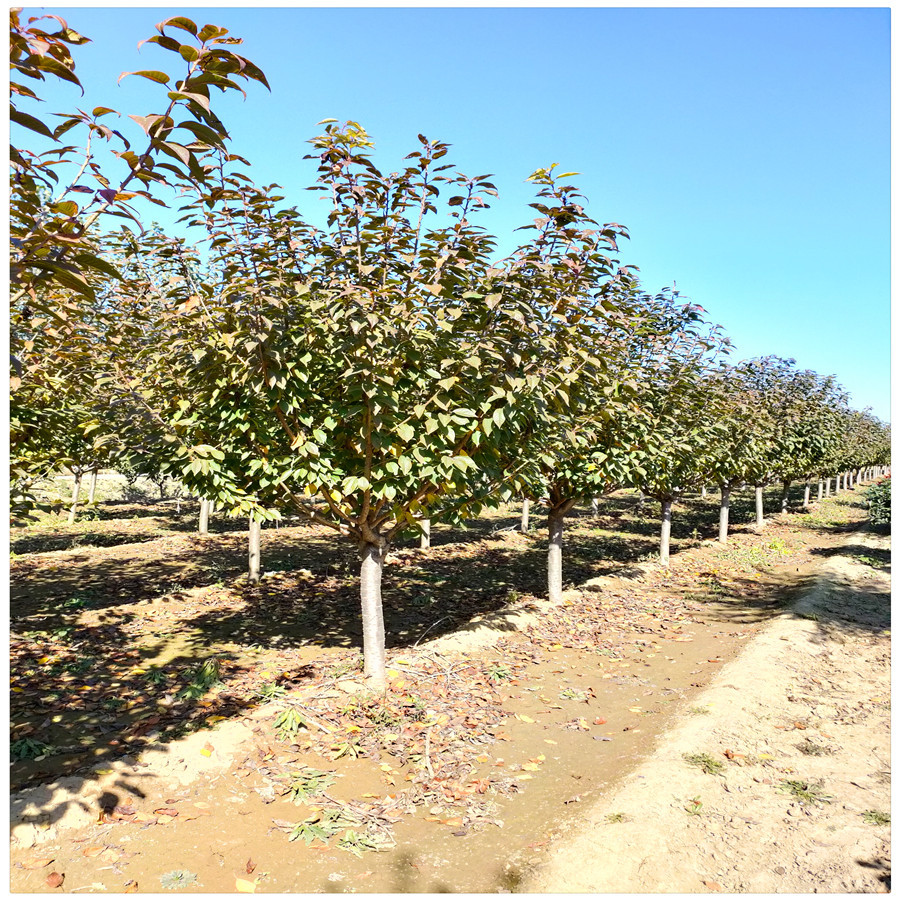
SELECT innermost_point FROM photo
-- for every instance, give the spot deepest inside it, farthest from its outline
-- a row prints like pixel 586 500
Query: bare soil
pixel 519 747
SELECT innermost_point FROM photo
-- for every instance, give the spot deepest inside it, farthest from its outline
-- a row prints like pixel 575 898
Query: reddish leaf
pixel 55 880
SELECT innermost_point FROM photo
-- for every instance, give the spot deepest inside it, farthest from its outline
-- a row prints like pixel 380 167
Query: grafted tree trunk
pixel 665 532
pixel 93 488
pixel 760 521
pixel 253 547
pixel 425 540
pixel 724 503
pixel 526 506
pixel 203 527
pixel 370 572
pixel 806 495
pixel 75 492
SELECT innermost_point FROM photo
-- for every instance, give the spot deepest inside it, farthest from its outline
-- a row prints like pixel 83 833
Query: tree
pixel 680 426
pixel 588 449
pixel 60 197
pixel 364 373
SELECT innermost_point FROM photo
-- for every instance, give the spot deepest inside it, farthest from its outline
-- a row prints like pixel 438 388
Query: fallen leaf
pixel 244 886
pixel 110 855
pixel 92 851
pixel 55 880
pixel 207 749
pixel 250 866
pixel 599 720
pixel 713 885
pixel 523 718
pixel 38 862
pixel 166 811
pixel 131 887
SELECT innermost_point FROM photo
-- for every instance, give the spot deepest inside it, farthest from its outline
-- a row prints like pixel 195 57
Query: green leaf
pixel 181 22
pixel 152 75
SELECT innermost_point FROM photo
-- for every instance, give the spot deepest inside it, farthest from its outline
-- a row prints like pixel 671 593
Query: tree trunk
pixel 371 568
pixel 93 488
pixel 425 541
pixel 723 514
pixel 703 493
pixel 665 533
pixel 642 497
pixel 204 516
pixel 806 496
pixel 75 491
pixel 760 521
pixel 595 506
pixel 555 524
pixel 828 486
pixel 526 506
pixel 253 546
pixel 820 490
pixel 785 487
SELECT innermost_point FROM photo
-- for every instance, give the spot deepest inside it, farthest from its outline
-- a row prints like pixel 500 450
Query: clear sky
pixel 746 150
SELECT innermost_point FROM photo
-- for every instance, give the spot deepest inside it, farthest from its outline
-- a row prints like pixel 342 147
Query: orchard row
pixel 379 370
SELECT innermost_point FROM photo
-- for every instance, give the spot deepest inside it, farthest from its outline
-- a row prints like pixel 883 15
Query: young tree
pixel 363 373
pixel 683 428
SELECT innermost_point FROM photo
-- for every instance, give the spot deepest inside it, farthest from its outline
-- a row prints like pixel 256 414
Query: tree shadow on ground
pixel 879 559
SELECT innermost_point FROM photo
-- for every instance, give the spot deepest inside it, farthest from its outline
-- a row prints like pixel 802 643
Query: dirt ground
pixel 519 748
pixel 798 727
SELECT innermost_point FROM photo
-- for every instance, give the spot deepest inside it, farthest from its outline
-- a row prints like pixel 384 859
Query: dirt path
pixel 807 702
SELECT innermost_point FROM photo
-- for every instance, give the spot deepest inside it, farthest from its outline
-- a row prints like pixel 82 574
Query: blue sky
pixel 746 150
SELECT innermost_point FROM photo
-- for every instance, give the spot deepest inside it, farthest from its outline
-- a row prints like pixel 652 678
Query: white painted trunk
pixel 724 503
pixel 370 572
pixel 75 492
pixel 93 488
pixel 785 487
pixel 526 506
pixel 554 557
pixel 595 507
pixel 203 527
pixel 425 541
pixel 820 490
pixel 665 533
pixel 703 493
pixel 828 486
pixel 806 496
pixel 253 542
pixel 759 506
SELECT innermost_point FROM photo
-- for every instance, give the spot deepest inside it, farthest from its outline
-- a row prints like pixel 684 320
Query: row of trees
pixel 379 371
